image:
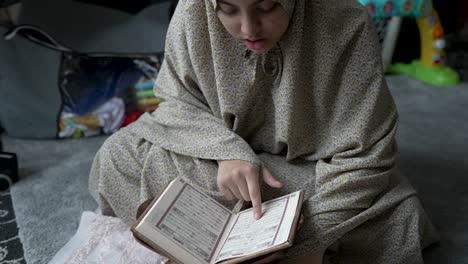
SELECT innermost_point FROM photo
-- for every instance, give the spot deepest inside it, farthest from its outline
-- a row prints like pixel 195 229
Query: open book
pixel 188 226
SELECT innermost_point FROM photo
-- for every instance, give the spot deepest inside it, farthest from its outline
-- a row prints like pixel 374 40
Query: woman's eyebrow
pixel 226 3
pixel 257 2
pixel 231 4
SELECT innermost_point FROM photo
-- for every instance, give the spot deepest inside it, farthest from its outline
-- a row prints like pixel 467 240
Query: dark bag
pixel 42 81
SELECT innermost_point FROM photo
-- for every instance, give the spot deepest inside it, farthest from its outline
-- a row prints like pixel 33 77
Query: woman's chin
pixel 263 51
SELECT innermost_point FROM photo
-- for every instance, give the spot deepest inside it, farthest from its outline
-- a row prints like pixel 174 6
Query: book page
pixel 195 221
pixel 248 235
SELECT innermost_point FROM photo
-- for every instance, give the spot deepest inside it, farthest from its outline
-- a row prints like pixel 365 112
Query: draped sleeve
pixel 186 121
pixel 356 148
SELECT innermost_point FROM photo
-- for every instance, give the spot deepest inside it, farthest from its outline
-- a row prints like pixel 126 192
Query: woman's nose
pixel 250 26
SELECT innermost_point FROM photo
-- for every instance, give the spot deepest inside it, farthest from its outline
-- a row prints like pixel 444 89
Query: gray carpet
pixel 433 142
pixel 52 192
pixel 433 139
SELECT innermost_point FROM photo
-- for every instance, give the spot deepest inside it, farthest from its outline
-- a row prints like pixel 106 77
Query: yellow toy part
pixel 432 40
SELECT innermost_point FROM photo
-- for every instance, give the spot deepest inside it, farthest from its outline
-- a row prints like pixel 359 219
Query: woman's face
pixel 259 24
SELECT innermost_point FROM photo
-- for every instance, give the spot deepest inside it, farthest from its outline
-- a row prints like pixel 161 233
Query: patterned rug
pixel 11 249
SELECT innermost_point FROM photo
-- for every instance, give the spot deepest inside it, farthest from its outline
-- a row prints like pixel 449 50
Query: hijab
pixel 319 95
pixel 318 100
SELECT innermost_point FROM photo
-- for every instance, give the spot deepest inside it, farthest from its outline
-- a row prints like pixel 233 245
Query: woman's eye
pixel 227 9
pixel 266 6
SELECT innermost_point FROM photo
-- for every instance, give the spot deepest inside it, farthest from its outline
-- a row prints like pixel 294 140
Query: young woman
pixel 265 97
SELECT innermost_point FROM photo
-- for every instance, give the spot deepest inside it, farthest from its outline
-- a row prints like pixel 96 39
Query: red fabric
pixel 131 117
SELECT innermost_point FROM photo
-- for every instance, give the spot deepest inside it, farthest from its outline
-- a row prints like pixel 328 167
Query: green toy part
pixel 439 76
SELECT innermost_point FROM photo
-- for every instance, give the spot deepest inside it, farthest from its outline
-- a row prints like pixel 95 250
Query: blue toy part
pixel 402 8
pixel 144 85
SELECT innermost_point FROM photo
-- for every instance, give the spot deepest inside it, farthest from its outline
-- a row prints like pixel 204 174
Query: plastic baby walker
pixel 430 67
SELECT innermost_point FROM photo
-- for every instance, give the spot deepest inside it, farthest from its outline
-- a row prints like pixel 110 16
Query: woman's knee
pixel 115 162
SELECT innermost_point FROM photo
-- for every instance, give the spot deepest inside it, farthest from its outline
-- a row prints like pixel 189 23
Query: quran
pixel 188 226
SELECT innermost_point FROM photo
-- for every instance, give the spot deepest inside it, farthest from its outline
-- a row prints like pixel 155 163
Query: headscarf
pixel 330 91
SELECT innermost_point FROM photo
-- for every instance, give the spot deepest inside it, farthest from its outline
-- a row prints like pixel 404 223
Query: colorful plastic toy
pixel 431 66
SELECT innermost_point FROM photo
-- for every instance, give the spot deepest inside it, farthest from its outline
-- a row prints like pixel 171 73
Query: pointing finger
pixel 255 196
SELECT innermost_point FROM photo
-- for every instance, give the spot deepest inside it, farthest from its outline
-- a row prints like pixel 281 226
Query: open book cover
pixel 188 226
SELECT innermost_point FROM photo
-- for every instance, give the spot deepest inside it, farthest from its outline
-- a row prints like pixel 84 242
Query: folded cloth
pixel 108 117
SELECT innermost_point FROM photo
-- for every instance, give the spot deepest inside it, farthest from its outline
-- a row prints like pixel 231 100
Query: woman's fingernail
pixel 256 216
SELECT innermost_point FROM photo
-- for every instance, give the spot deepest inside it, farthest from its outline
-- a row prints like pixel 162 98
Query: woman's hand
pixel 240 179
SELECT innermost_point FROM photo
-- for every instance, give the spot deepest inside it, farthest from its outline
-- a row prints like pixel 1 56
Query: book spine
pixel 153 247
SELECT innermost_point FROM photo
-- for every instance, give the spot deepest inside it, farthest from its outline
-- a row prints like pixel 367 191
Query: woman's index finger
pixel 255 196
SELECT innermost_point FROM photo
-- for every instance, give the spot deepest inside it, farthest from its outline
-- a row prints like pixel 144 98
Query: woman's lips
pixel 255 44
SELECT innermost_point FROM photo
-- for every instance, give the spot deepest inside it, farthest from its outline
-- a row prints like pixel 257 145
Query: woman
pixel 265 97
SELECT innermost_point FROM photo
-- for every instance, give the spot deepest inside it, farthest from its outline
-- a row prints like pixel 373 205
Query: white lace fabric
pixel 103 239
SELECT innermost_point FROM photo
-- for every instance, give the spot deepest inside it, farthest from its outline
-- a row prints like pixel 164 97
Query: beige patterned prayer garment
pixel 315 110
